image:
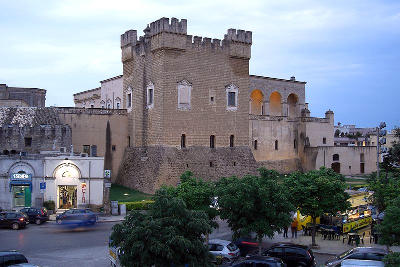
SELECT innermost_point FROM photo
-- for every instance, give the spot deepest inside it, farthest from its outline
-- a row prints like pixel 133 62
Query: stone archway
pixel 275 104
pixel 257 102
pixel 292 102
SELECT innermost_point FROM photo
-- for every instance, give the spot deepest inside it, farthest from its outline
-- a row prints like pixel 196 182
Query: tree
pixel 256 204
pixel 392 259
pixel 317 192
pixel 337 133
pixel 389 229
pixel 168 234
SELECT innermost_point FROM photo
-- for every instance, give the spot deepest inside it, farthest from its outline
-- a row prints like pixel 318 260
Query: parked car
pixel 292 254
pixel 113 254
pixel 223 249
pixel 10 258
pixel 365 263
pixel 36 215
pixel 260 261
pixel 359 253
pixel 14 220
pixel 247 246
pixel 77 217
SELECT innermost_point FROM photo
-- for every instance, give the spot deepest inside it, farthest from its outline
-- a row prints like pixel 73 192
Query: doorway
pixel 336 167
pixel 67 196
pixel 21 195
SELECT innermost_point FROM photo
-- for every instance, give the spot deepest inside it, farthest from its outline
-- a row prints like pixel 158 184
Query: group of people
pixel 293 228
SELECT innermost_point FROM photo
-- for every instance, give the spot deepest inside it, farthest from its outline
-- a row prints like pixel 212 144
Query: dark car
pixel 14 220
pixel 359 253
pixel 36 215
pixel 260 261
pixel 292 254
pixel 77 217
pixel 247 246
pixel 8 258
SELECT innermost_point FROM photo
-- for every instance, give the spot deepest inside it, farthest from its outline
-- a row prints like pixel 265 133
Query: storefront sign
pixel 20 179
pixel 20 176
pixel 357 224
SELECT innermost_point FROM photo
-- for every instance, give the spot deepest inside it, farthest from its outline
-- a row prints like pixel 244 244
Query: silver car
pixel 359 253
pixel 223 249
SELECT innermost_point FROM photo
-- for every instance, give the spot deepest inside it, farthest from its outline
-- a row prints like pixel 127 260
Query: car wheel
pixel 59 221
pixel 15 226
pixel 38 221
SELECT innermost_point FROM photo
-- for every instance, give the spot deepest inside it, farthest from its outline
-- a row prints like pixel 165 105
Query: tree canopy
pixel 168 234
pixel 256 204
pixel 318 192
pixel 389 229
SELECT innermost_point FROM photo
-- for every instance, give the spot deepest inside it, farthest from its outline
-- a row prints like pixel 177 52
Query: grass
pixel 124 194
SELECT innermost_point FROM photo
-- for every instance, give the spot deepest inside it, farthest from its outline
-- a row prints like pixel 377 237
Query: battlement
pixel 165 25
pixel 239 36
pixel 198 41
pixel 129 38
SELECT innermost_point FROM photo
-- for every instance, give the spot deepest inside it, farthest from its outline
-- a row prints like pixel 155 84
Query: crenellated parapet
pixel 171 33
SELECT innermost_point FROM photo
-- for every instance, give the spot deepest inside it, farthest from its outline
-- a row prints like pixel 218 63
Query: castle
pixel 189 103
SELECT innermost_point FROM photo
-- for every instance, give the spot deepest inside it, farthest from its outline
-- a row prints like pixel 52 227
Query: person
pixel 294 227
pixel 285 231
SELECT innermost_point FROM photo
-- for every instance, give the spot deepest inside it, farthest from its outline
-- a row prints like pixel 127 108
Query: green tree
pixel 384 193
pixel 337 133
pixel 168 234
pixel 254 204
pixel 392 259
pixel 317 192
pixel 389 229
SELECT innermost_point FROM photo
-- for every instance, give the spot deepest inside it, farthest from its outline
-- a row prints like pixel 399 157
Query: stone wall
pixel 33 97
pixel 164 165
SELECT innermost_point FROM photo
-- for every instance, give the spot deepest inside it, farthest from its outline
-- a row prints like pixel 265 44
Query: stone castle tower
pixel 187 102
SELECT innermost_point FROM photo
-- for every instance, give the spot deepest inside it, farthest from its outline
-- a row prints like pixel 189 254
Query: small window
pixel 234 163
pixel 109 105
pixel 212 141
pixel 91 106
pixel 113 148
pixel 102 106
pixel 255 144
pixel 335 157
pixel 118 105
pixel 129 141
pixel 324 140
pixel 232 99
pixel 86 149
pixel 150 95
pixel 211 164
pixel 276 144
pixel 212 99
pixel 295 144
pixel 183 141
pixel 231 141
pixel 129 98
pixel 93 151
pixel 362 159
pixel 28 141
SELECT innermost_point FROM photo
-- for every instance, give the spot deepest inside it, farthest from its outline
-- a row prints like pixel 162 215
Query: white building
pixel 70 181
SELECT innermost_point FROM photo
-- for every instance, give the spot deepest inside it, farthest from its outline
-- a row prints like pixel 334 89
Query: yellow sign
pixel 357 224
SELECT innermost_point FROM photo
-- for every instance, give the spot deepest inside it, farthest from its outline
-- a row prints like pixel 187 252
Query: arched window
pixel 118 103
pixel 257 100
pixel 335 157
pixel 292 101
pixel 275 104
pixel 231 141
pixel 276 144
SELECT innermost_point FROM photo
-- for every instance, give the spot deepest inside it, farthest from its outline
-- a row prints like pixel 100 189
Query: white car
pixel 363 263
pixel 223 249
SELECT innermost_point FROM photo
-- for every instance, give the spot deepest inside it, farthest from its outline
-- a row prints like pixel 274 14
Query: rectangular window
pixel 276 144
pixel 362 167
pixel 150 97
pixel 231 141
pixel 183 141
pixel 324 140
pixel 212 141
pixel 362 159
pixel 94 151
pixel 255 144
pixel 28 141
pixel 129 100
pixel 232 99
pixel 129 141
pixel 118 105
pixel 86 149
pixel 113 148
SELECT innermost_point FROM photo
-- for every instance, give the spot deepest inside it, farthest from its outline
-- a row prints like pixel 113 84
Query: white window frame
pixel 232 89
pixel 184 85
pixel 149 87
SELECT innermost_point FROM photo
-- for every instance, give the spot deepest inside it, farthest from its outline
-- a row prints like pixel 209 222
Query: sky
pixel 348 51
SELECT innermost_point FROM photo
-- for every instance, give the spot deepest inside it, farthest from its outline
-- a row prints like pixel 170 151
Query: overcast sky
pixel 348 51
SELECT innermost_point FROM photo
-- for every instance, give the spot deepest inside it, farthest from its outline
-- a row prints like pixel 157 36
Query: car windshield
pixel 345 254
pixel 232 247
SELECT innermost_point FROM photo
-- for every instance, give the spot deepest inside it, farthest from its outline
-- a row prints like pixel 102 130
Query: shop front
pixel 21 189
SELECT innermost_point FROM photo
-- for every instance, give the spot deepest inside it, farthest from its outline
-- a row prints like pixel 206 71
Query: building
pixel 21 97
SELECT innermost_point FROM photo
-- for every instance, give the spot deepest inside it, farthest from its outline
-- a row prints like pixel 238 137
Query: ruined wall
pixel 164 165
pixel 33 97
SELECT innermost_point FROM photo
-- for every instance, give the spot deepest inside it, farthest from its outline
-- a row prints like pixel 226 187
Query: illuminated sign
pixel 20 176
pixel 360 223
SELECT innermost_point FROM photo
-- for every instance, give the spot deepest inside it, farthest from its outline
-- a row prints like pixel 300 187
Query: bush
pixel 392 259
pixel 49 205
pixel 138 205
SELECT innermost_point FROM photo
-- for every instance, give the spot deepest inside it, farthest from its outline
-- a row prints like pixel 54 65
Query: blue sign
pixel 43 185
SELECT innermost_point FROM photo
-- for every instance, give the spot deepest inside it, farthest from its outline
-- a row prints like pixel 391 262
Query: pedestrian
pixel 294 227
pixel 285 231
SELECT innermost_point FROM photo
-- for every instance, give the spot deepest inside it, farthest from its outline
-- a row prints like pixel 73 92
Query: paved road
pixel 48 245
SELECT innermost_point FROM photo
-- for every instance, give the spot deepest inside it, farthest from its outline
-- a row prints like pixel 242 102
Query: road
pixel 47 245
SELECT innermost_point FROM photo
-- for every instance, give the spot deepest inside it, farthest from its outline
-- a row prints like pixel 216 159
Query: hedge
pixel 137 205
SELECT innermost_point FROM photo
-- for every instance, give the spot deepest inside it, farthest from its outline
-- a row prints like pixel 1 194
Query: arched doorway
pixel 336 167
pixel 67 178
pixel 292 101
pixel 256 102
pixel 21 174
pixel 275 104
